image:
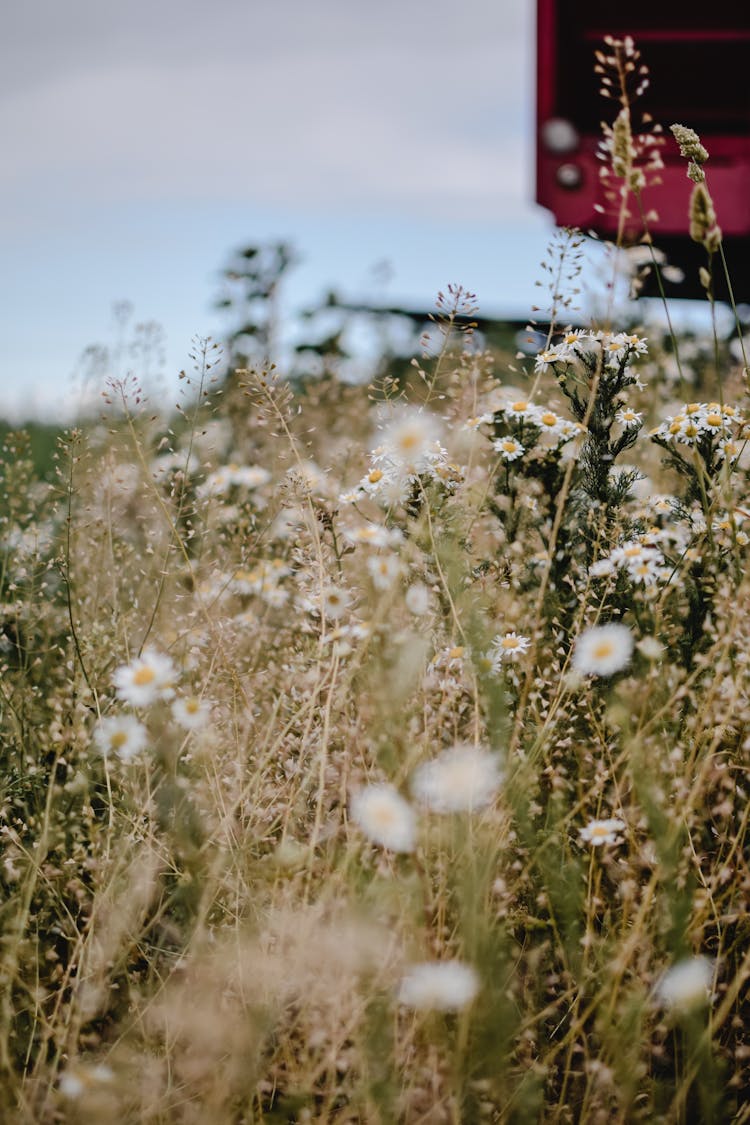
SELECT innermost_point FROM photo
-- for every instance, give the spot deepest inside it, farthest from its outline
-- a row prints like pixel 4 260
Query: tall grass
pixel 380 755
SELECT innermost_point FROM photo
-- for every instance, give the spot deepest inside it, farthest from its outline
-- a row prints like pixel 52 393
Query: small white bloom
pixel 439 986
pixel 508 448
pixel 123 735
pixel 373 535
pixel 191 712
pixel 460 779
pixel 384 570
pixel 510 646
pixel 385 817
pixel 603 650
pixel 627 417
pixel 417 599
pixel 687 984
pixel 149 677
pixel 598 832
pixel 334 602
pixel 409 437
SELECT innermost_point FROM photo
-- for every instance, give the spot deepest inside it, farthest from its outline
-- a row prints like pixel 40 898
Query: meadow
pixel 378 754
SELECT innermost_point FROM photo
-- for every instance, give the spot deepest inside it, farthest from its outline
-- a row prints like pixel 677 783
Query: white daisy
pixel 191 712
pixel 686 985
pixel 417 599
pixel 509 448
pixel 439 986
pixel 149 677
pixel 334 602
pixel 598 832
pixel 510 645
pixel 123 735
pixel 460 779
pixel 385 817
pixel 603 650
pixel 384 570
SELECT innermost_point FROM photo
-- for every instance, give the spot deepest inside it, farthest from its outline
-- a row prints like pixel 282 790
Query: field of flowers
pixel 380 754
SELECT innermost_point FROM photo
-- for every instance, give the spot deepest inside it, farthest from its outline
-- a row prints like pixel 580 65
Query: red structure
pixel 698 57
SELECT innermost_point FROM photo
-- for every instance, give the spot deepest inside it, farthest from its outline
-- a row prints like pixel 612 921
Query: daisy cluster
pixel 530 423
pixel 706 424
pixel 147 680
pixel 615 348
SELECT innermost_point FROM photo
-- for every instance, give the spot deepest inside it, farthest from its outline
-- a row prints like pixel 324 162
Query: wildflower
pixel 460 779
pixel 476 422
pixel 409 438
pixel 627 417
pixel 373 535
pixel 439 986
pixel 544 359
pixel 417 599
pixel 384 570
pixel 603 650
pixel 385 817
pixel 149 677
pixel 191 712
pixel 522 409
pixel 598 832
pixel 603 568
pixel 686 985
pixel 508 448
pixel 123 735
pixel 334 602
pixel 510 646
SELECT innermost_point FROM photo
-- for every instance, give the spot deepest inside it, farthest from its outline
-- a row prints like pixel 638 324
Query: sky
pixel 144 141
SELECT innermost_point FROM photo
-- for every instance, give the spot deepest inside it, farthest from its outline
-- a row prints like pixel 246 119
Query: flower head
pixel 191 712
pixel 460 779
pixel 385 817
pixel 441 986
pixel 598 832
pixel 123 735
pixel 686 985
pixel 603 650
pixel 146 679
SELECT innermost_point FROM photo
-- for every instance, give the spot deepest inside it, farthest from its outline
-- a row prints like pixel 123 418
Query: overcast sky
pixel 143 141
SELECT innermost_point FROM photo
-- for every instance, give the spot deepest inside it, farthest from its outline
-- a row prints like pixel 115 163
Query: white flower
pixel 598 832
pixel 627 417
pixel 460 779
pixel 385 817
pixel 384 570
pixel 687 984
pixel 149 677
pixel 373 535
pixel 440 986
pixel 191 712
pixel 508 448
pixel 510 646
pixel 603 650
pixel 409 438
pixel 123 735
pixel 417 599
pixel 334 602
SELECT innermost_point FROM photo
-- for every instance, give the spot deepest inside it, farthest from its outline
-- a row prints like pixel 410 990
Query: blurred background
pixel 389 146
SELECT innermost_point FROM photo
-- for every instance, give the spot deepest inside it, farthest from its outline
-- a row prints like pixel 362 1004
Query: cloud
pixel 285 103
